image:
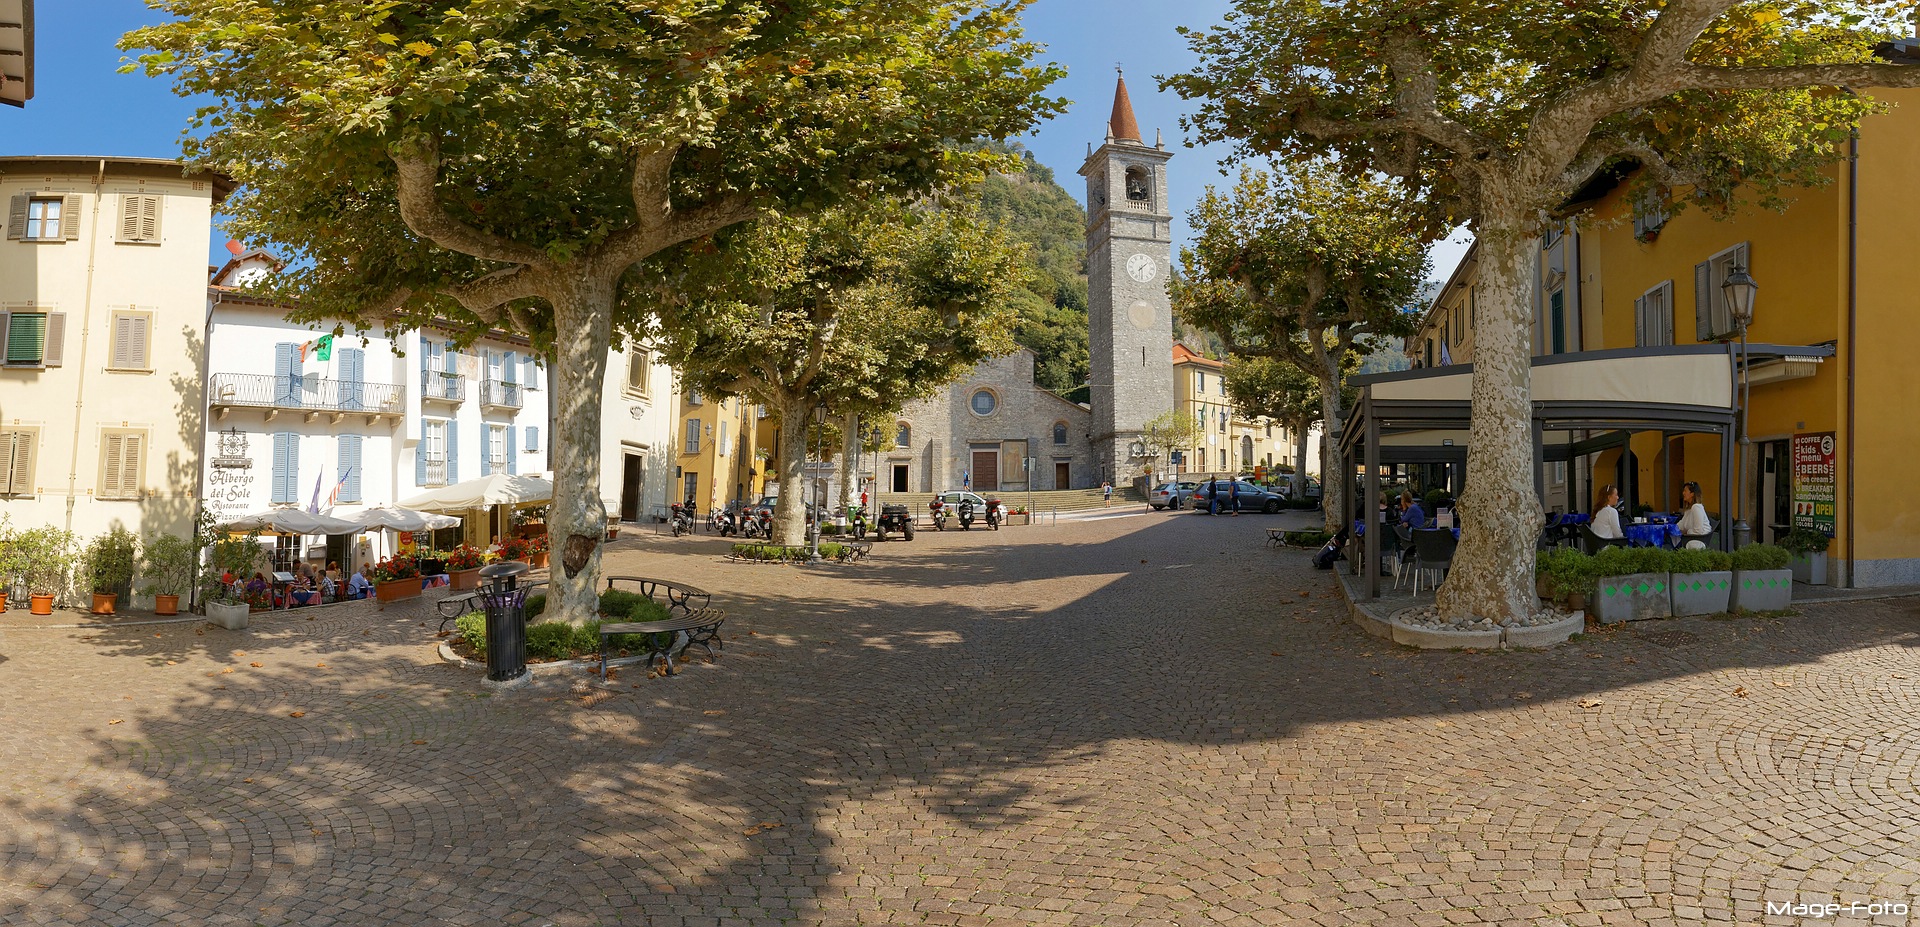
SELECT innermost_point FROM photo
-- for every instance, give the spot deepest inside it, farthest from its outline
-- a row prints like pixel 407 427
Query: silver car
pixel 1252 498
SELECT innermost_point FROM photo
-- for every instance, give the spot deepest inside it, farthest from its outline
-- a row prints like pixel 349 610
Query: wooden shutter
pixel 486 450
pixel 282 462
pixel 130 464
pixel 129 228
pixel 282 374
pixel 510 368
pixel 1640 320
pixel 1703 301
pixel 129 341
pixel 453 452
pixel 17 215
pixel 420 455
pixel 353 365
pixel 55 352
pixel 512 452
pixel 533 373
pixel 22 464
pixel 6 321
pixel 70 216
pixel 533 437
pixel 110 466
pixel 150 218
pixel 349 468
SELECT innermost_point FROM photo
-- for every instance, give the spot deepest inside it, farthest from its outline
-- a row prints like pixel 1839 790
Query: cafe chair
pixel 1591 543
pixel 1404 555
pixel 1433 549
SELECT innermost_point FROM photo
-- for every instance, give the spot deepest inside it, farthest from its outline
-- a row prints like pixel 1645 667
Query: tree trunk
pixel 1500 516
pixel 1333 484
pixel 849 461
pixel 790 512
pixel 1300 460
pixel 577 519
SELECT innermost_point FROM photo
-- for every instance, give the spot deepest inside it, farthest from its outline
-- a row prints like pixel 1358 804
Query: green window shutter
pixel 70 217
pixel 26 339
pixel 17 215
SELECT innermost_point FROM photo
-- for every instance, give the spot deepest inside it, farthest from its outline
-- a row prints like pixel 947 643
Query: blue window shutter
pixel 533 373
pixel 420 458
pixel 280 466
pixel 510 368
pixel 453 452
pixel 486 449
pixel 353 365
pixel 295 372
pixel 512 463
pixel 349 464
pixel 282 373
pixel 533 437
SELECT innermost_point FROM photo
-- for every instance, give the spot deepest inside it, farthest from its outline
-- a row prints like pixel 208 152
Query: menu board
pixel 1813 482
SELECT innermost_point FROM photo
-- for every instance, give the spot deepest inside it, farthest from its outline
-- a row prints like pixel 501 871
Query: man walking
pixel 1106 492
pixel 1233 496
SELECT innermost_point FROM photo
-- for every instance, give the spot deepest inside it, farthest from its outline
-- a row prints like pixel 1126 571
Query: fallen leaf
pixel 1596 656
pixel 219 687
pixel 715 711
pixel 1374 672
pixel 173 662
pixel 320 665
pixel 751 831
pixel 157 635
pixel 1589 703
pixel 1443 724
pixel 115 721
pixel 296 714
pixel 1781 684
pixel 316 831
pixel 1741 691
pixel 229 670
pixel 1628 660
pixel 256 665
pixel 1899 676
pixel 1523 695
pixel 1304 593
pixel 1276 653
pixel 419 743
pixel 247 780
pixel 769 825
pixel 241 653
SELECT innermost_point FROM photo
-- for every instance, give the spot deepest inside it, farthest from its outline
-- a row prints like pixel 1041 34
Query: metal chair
pixel 1433 549
pixel 1591 543
pixel 1405 555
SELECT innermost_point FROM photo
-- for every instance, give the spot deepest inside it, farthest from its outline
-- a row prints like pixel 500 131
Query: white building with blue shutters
pixel 362 421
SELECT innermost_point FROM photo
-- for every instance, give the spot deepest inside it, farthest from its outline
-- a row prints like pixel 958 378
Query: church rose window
pixel 984 402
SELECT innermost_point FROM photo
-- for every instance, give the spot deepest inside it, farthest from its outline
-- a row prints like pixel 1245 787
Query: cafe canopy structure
pixel 1583 403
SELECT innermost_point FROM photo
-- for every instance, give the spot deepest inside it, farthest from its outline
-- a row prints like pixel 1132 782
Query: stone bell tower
pixel 1129 314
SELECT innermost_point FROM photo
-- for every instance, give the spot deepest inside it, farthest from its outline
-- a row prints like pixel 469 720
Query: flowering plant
pixel 537 543
pixel 398 566
pixel 465 557
pixel 515 549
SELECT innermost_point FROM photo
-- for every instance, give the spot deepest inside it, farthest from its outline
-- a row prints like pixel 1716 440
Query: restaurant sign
pixel 1813 482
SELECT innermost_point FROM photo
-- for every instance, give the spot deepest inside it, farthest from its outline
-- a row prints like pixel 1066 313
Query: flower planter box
pixel 1810 568
pixel 1761 590
pixel 1702 593
pixel 539 560
pixel 231 617
pixel 464 579
pixel 1633 597
pixel 394 589
pixel 1019 519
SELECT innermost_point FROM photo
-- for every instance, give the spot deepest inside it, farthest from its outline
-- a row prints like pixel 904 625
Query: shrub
pixel 1699 561
pixel 466 557
pixel 1565 572
pixel 1312 539
pixel 1437 498
pixel 168 563
pixel 473 628
pixel 398 566
pixel 774 552
pixel 110 559
pixel 1762 557
pixel 1623 561
pixel 552 640
pixel 536 604
pixel 515 549
pixel 1803 541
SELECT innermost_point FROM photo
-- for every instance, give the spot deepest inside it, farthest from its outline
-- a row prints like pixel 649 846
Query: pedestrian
pixel 1213 497
pixel 1233 496
pixel 1106 492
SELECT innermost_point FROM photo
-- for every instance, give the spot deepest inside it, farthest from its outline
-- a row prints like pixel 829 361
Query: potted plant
pixel 1019 516
pixel 396 577
pixel 110 559
pixel 537 551
pixel 1565 576
pixel 46 558
pixel 1438 499
pixel 1631 584
pixel 1809 550
pixel 231 558
pixel 516 549
pixel 1702 581
pixel 463 566
pixel 168 564
pixel 11 568
pixel 1762 579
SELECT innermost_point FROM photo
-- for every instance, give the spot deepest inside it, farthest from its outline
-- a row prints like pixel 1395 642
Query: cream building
pixel 102 318
pixel 1235 443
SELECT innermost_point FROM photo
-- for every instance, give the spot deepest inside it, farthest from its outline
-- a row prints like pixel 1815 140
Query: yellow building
pixel 1831 271
pixel 716 451
pixel 1234 443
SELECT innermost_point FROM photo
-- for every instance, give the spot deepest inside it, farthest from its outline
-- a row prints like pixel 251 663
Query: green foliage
pixel 169 564
pixel 536 605
pixel 239 555
pixel 1699 561
pixel 1436 498
pixel 618 605
pixel 1280 390
pixel 47 555
pixel 1173 430
pixel 473 627
pixel 1566 572
pixel 1309 539
pixel 1803 541
pixel 1625 561
pixel 110 559
pixel 778 553
pixel 1762 557
pixel 550 640
pixel 1051 226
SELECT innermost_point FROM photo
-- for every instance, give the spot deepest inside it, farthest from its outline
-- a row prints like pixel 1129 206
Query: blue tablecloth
pixel 1650 535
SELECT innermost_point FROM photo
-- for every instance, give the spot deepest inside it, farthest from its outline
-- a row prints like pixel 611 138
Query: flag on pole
pixel 324 347
pixel 1446 359
pixel 334 497
pixel 313 507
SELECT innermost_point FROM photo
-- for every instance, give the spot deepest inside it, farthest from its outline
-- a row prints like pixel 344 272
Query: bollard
pixel 506 606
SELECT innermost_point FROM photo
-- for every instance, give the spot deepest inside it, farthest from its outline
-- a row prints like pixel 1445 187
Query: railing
pixel 441 387
pixel 436 472
pixel 500 394
pixel 267 391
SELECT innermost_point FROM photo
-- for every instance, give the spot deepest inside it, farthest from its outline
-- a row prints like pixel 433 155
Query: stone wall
pixel 946 432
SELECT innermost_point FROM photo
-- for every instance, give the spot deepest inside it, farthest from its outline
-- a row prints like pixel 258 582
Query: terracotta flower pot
pixel 393 589
pixel 464 579
pixel 166 605
pixel 42 603
pixel 539 560
pixel 103 602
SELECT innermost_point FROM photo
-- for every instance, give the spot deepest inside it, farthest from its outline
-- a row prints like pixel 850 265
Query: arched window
pixel 903 437
pixel 1139 184
pixel 1059 432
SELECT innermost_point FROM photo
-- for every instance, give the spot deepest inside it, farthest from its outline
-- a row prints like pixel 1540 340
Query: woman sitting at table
pixel 1606 518
pixel 1694 523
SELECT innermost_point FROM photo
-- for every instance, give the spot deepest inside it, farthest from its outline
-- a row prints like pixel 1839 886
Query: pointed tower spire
pixel 1122 126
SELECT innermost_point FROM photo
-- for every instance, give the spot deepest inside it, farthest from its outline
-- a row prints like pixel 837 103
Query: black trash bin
pixel 506 604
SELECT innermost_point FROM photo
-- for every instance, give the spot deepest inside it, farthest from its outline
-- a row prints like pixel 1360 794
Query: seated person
pixel 1606 518
pixel 328 588
pixel 357 586
pixel 1694 523
pixel 1411 514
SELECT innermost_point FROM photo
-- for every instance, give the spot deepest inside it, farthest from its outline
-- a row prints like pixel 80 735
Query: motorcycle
pixel 725 523
pixel 682 519
pixel 966 515
pixel 894 518
pixel 994 515
pixel 857 522
pixel 939 514
pixel 757 525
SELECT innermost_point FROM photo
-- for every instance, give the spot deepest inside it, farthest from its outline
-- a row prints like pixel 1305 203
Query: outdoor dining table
pixel 1652 534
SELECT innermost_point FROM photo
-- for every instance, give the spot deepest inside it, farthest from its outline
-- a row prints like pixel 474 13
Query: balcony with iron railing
pixel 436 472
pixel 307 394
pixel 450 388
pixel 499 394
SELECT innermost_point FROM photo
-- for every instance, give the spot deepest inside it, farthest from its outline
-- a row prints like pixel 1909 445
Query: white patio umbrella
pixel 498 489
pixel 292 521
pixel 401 519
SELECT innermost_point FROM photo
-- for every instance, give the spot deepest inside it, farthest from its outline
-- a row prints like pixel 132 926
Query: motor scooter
pixel 939 514
pixel 966 515
pixel 726 523
pixel 682 518
pixel 995 515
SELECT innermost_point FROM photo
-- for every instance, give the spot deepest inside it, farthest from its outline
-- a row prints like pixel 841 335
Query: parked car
pixel 1171 495
pixel 953 497
pixel 1252 498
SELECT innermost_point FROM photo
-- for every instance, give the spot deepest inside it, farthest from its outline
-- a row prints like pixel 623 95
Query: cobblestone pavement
pixel 1147 720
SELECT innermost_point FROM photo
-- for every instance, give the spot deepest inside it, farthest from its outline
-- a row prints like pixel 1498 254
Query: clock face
pixel 1142 268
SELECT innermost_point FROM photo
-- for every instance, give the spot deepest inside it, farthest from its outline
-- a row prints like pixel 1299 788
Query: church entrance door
pixel 1061 473
pixel 986 471
pixel 899 477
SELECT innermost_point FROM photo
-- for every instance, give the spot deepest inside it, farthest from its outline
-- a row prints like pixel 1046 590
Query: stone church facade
pixel 994 429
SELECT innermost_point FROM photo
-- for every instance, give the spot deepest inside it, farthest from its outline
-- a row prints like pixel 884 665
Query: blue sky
pixel 82 106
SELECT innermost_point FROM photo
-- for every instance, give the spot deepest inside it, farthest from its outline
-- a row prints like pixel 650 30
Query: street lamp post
pixel 820 436
pixel 1740 290
pixel 873 439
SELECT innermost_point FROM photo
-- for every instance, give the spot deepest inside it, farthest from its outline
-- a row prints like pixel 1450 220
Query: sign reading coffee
pixel 1813 482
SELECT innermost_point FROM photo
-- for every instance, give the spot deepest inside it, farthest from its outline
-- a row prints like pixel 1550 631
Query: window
pixel 130 340
pixel 44 217
pixel 722 444
pixel 1653 316
pixel 122 459
pixel 139 219
pixel 33 339
pixel 432 466
pixel 1649 215
pixel 1200 377
pixel 693 436
pixel 286 467
pixel 1712 318
pixel 1557 311
pixel 904 436
pixel 533 439
pixel 496 449
pixel 1473 305
pixel 1139 187
pixel 1223 420
pixel 16 462
pixel 693 397
pixel 984 402
pixel 1059 432
pixel 639 366
pixel 1223 458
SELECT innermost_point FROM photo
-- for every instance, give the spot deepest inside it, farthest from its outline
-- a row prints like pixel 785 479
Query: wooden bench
pixel 698 626
pixel 673 595
pixel 1276 537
